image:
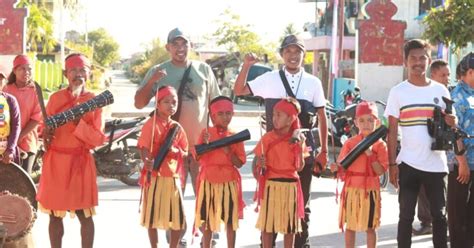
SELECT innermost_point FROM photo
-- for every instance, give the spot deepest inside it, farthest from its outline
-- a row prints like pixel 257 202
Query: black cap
pixel 467 63
pixel 176 33
pixel 292 40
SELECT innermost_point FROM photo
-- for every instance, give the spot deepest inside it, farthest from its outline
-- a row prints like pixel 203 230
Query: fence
pixel 48 74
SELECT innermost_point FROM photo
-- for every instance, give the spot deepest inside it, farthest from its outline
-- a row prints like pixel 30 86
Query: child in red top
pixel 360 199
pixel 219 198
pixel 281 156
pixel 162 205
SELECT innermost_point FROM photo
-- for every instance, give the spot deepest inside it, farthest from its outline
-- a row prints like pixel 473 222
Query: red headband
pixel 290 109
pixel 366 108
pixel 223 105
pixel 165 91
pixel 78 60
pixel 20 60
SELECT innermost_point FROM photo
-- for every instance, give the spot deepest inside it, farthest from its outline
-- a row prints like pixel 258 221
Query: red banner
pixel 12 28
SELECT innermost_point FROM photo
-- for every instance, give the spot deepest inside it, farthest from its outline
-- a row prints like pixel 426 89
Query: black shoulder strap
pixel 289 92
pixel 184 80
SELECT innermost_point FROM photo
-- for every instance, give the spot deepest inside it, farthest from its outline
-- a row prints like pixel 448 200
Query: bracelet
pixel 392 164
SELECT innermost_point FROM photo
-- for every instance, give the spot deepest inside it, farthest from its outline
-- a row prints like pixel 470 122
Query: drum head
pixel 16 214
pixel 15 180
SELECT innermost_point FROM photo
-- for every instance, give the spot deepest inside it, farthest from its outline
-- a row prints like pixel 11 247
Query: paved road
pixel 117 220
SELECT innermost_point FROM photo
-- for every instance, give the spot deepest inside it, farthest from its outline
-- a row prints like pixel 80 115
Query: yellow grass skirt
pixel 162 204
pixel 354 211
pixel 278 212
pixel 216 204
pixel 89 212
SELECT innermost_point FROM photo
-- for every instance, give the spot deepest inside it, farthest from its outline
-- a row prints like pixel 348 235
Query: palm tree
pixel 39 27
pixel 289 29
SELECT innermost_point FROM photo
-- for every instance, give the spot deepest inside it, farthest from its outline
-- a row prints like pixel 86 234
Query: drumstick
pixel 148 174
pixel 11 216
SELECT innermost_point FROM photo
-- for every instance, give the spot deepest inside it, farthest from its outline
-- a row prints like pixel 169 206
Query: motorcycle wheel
pixel 383 180
pixel 133 161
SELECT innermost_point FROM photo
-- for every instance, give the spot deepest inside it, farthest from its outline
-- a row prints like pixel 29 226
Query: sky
pixel 135 23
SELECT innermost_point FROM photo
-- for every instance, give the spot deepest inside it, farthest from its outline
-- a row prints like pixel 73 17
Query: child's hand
pixel 333 167
pixel 174 150
pixel 261 161
pixel 148 164
pixel 369 152
pixel 7 157
pixel 302 139
pixel 205 137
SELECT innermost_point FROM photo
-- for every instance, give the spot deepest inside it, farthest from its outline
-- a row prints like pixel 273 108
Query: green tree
pixel 39 27
pixel 238 37
pixel 289 29
pixel 106 49
pixel 452 24
pixel 155 54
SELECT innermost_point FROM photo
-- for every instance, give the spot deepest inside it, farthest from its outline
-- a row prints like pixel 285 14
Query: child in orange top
pixel 281 156
pixel 360 199
pixel 219 198
pixel 162 205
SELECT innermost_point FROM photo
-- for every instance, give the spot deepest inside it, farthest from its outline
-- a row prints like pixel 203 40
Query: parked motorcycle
pixel 118 157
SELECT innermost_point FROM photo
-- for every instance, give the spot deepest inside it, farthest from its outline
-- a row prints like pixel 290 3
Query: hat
pixel 176 33
pixel 221 103
pixel 366 108
pixel 467 63
pixel 292 40
pixel 77 60
pixel 21 60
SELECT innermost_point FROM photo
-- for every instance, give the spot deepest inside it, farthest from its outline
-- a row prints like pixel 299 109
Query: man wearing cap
pixel 461 177
pixel 22 87
pixel 194 92
pixel 68 178
pixel 307 89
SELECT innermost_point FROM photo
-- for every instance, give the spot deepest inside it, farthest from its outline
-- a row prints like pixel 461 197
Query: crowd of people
pixel 187 99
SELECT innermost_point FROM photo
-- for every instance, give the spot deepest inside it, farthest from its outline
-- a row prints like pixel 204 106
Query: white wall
pixel 407 11
pixel 375 80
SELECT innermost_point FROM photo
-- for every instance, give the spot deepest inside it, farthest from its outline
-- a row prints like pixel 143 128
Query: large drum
pixel 16 215
pixel 16 181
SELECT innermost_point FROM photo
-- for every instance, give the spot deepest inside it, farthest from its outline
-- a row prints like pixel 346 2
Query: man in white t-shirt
pixel 410 104
pixel 307 89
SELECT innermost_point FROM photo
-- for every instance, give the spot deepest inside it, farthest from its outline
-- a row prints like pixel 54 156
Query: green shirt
pixel 201 86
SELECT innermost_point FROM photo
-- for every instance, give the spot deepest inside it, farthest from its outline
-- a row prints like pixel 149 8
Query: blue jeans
pixel 410 181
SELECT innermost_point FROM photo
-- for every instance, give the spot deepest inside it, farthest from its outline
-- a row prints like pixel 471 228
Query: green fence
pixel 49 75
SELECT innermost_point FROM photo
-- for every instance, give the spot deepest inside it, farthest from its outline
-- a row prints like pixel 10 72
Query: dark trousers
pixel 423 209
pixel 28 162
pixel 461 211
pixel 306 176
pixel 410 181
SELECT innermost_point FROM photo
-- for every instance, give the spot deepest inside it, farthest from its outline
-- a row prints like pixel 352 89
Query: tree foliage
pixel 39 27
pixel 452 24
pixel 106 49
pixel 238 37
pixel 155 54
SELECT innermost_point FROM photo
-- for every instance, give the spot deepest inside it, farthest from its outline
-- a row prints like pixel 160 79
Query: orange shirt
pixel 29 110
pixel 68 179
pixel 360 165
pixel 280 159
pixel 216 166
pixel 169 167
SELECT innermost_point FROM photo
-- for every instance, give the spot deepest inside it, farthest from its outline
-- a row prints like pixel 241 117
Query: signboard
pixel 12 28
pixel 380 38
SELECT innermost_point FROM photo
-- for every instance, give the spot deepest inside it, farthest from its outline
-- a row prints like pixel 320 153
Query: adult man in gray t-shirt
pixel 199 88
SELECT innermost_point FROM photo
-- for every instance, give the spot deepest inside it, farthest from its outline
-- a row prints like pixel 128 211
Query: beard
pixel 76 90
